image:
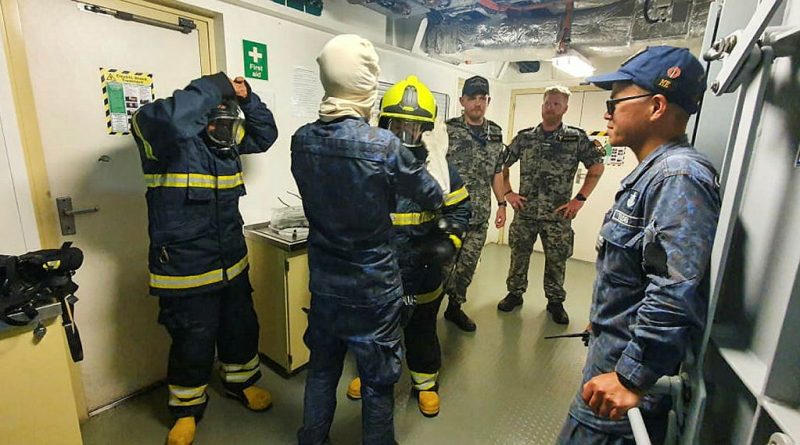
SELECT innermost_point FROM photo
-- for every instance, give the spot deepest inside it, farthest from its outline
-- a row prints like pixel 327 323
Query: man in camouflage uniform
pixel 651 292
pixel 477 152
pixel 549 154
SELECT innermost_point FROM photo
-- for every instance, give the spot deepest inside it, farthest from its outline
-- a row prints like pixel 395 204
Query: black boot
pixel 508 303
pixel 558 313
pixel 459 318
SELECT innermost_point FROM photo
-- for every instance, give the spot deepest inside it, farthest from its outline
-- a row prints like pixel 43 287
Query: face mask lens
pixel 409 132
pixel 225 130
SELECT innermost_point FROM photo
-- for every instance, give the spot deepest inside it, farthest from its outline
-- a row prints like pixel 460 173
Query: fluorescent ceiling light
pixel 573 63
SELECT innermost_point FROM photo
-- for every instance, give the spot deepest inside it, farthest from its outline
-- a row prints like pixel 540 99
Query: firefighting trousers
pixel 423 353
pixel 223 321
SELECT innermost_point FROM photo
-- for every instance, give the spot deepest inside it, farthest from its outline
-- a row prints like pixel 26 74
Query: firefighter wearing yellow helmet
pixel 424 240
pixel 408 109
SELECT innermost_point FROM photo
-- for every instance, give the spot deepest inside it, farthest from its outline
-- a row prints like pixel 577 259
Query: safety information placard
pixel 614 156
pixel 123 93
pixel 307 92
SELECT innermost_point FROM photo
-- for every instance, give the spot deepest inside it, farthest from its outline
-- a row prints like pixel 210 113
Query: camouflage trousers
pixel 458 276
pixel 557 239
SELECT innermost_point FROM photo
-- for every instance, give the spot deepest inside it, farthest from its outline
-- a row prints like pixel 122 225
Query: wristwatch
pixel 502 204
pixel 580 197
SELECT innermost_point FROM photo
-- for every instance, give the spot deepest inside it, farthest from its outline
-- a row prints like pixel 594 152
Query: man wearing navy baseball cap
pixel 651 292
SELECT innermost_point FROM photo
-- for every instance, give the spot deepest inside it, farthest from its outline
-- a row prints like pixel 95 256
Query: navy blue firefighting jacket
pixel 415 226
pixel 195 228
pixel 349 175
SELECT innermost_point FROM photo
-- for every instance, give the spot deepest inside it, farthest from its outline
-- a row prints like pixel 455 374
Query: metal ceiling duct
pixel 508 30
pixel 605 30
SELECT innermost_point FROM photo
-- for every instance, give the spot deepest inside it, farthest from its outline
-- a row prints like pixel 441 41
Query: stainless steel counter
pixel 282 240
pixel 46 312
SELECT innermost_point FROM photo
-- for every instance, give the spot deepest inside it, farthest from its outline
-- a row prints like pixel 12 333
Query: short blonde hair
pixel 559 89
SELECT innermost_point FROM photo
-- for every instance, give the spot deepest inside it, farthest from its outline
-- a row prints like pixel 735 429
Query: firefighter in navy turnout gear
pixel 349 175
pixel 423 240
pixel 189 146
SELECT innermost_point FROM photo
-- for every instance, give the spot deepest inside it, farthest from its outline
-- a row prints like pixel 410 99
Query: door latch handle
pixel 66 214
pixel 80 211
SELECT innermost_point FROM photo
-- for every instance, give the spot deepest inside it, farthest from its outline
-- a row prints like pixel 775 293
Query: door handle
pixel 80 211
pixel 66 214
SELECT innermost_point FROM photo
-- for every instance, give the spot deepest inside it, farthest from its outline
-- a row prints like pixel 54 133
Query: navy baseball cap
pixel 475 85
pixel 668 70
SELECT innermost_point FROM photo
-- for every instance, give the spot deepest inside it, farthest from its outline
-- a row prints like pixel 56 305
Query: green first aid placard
pixel 255 60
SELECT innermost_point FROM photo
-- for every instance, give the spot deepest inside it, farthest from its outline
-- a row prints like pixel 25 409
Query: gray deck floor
pixel 503 384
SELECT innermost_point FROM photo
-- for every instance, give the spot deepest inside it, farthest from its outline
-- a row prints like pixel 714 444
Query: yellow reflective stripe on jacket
pixel 237 268
pixel 422 381
pixel 193 180
pixel 411 219
pixel 429 296
pixel 455 197
pixel 187 396
pixel 191 281
pixel 148 149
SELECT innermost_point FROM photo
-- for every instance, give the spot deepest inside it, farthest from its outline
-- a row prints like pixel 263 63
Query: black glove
pixel 450 228
pixel 436 249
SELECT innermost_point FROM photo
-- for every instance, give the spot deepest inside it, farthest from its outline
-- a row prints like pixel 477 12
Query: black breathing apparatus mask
pixel 225 127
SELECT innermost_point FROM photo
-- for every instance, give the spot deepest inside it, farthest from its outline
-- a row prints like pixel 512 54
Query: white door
pixel 586 111
pixel 125 348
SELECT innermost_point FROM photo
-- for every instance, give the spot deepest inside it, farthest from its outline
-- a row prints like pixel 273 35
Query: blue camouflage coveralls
pixel 198 258
pixel 349 175
pixel 651 292
pixel 421 277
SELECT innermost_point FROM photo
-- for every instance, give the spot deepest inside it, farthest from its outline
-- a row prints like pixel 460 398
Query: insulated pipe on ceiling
pixel 491 5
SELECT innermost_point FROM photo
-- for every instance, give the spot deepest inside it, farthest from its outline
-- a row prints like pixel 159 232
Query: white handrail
pixel 637 425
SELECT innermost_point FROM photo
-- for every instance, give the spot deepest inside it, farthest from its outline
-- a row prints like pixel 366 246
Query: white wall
pixel 17 220
pixel 291 44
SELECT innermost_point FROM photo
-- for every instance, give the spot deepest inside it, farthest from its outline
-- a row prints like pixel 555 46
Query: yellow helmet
pixel 410 100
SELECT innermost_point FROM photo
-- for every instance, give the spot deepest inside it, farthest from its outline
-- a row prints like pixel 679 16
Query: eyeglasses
pixel 611 104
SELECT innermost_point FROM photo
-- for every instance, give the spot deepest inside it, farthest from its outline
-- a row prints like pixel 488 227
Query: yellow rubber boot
pixel 354 389
pixel 257 399
pixel 182 433
pixel 428 402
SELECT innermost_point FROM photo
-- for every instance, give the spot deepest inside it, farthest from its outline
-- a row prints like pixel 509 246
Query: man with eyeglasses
pixel 477 152
pixel 651 291
pixel 548 155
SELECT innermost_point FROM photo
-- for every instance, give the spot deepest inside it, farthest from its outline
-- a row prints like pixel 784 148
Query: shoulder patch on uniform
pixel 632 198
pixel 578 129
pixel 494 125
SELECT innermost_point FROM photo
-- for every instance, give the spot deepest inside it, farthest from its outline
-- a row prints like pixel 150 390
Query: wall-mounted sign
pixel 123 93
pixel 255 60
